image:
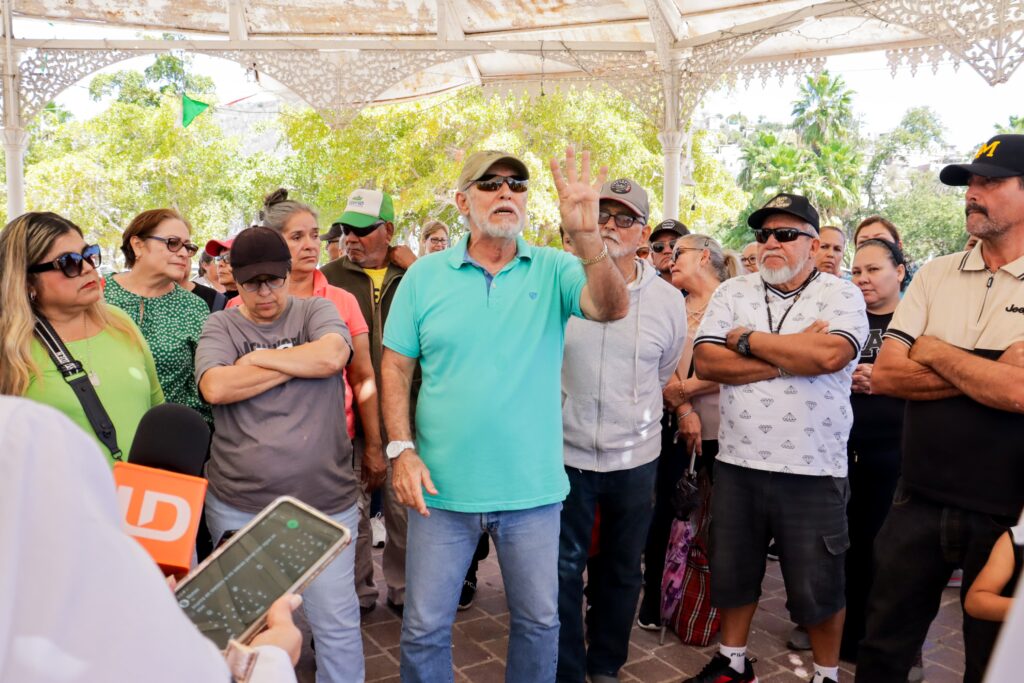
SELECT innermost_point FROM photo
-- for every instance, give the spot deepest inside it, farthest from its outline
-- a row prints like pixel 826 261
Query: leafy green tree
pixel 169 74
pixel 1015 125
pixel 918 131
pixel 415 151
pixel 929 215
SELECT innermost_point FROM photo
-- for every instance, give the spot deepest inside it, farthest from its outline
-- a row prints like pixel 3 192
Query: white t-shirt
pixel 787 424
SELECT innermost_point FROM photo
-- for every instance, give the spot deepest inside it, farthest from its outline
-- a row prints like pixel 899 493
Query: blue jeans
pixel 626 499
pixel 329 602
pixel 438 554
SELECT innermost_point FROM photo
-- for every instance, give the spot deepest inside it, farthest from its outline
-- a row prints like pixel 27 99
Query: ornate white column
pixel 15 145
pixel 672 149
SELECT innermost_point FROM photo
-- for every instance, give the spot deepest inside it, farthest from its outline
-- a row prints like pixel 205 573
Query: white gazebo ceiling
pixel 665 55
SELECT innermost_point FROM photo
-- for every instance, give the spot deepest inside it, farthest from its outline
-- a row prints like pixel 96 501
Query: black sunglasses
pixel 781 234
pixel 622 220
pixel 175 244
pixel 71 264
pixel 493 183
pixel 658 247
pixel 360 232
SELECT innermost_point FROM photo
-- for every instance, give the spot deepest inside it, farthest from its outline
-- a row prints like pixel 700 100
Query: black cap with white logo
pixel 793 204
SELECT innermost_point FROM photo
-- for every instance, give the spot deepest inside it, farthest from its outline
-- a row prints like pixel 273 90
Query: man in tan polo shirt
pixel 955 351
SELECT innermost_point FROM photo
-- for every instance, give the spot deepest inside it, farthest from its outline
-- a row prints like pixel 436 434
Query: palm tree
pixel 824 110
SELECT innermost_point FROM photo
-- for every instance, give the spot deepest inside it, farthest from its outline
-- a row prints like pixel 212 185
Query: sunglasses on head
pixel 658 247
pixel 360 232
pixel 622 220
pixel 781 234
pixel 175 244
pixel 493 183
pixel 71 264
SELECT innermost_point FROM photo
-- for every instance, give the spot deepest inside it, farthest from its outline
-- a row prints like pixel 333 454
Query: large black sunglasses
pixel 71 263
pixel 493 183
pixel 622 220
pixel 175 244
pixel 360 232
pixel 781 234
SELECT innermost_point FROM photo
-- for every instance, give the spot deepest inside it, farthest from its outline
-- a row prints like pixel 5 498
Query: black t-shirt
pixel 876 417
pixel 214 299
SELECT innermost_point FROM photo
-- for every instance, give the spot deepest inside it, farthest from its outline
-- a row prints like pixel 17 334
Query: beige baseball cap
pixel 479 163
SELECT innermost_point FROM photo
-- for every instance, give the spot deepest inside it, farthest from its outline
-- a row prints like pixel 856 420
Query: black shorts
pixel 806 515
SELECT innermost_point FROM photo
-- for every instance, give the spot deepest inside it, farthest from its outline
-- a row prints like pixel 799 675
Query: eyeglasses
pixel 223 257
pixel 360 232
pixel 174 244
pixel 332 241
pixel 781 234
pixel 272 283
pixel 493 183
pixel 71 264
pixel 438 241
pixel 622 220
pixel 747 260
pixel 658 247
pixel 679 252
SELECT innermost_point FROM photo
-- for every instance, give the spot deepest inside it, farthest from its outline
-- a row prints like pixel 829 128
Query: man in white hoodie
pixel 612 377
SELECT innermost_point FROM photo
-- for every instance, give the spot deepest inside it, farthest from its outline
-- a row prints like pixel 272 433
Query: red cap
pixel 215 247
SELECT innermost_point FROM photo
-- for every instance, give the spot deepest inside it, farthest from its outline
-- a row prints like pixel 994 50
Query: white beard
pixel 778 276
pixel 498 230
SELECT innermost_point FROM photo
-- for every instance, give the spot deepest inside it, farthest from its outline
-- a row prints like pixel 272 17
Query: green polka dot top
pixel 171 325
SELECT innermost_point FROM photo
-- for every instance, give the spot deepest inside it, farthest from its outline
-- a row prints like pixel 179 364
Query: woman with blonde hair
pixel 158 248
pixel 47 271
pixel 433 237
pixel 699 265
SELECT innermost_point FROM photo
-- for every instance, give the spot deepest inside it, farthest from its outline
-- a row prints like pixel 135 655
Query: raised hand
pixel 578 199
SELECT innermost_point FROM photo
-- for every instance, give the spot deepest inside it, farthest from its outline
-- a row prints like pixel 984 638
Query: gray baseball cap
pixel 629 194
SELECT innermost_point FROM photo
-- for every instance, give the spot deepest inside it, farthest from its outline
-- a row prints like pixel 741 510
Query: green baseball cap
pixel 366 207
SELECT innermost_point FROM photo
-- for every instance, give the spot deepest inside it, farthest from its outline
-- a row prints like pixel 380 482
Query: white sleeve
pixel 272 666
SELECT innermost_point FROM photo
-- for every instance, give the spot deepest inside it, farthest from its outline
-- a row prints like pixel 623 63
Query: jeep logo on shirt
pixel 1013 308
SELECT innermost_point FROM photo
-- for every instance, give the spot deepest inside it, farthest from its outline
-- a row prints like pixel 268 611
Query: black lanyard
pixel 799 293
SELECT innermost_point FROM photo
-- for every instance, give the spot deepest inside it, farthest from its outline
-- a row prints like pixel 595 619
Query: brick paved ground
pixel 481 637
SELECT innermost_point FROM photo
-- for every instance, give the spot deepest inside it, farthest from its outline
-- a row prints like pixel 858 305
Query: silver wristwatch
pixel 395 448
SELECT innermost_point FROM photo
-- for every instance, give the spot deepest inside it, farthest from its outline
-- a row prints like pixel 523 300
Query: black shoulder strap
pixel 78 380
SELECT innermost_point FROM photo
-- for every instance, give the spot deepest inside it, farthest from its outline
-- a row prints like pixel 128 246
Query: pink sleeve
pixel 350 312
pixel 234 302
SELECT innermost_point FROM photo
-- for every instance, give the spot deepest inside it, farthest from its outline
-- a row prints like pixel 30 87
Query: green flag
pixel 190 109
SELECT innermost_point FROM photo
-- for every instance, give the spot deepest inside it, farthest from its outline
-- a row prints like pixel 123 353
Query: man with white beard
pixel 487 456
pixel 783 343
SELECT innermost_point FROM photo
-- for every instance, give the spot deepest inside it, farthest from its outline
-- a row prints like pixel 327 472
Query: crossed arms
pixel 263 369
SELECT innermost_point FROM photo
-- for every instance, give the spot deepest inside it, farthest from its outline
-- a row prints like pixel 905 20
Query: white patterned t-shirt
pixel 787 424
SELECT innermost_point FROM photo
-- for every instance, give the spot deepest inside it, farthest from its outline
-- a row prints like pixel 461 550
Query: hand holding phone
pixel 279 551
pixel 281 629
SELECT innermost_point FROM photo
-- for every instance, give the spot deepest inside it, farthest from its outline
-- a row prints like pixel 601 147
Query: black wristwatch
pixel 743 344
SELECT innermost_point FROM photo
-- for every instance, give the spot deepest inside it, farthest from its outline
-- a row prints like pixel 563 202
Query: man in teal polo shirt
pixel 485 322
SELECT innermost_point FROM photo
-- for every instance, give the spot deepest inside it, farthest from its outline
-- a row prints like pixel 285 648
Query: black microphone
pixel 171 437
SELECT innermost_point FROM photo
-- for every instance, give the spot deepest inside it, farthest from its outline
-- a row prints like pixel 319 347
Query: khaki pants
pixel 396 524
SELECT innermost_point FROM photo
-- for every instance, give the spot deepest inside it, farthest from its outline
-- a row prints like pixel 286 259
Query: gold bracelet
pixel 600 257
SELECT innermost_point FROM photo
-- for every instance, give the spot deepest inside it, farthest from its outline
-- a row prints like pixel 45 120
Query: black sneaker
pixel 719 671
pixel 467 594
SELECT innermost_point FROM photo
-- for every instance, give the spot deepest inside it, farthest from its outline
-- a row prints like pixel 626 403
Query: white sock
pixel 823 672
pixel 737 657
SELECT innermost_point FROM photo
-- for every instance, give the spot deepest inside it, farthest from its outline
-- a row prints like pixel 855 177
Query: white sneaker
pixel 377 532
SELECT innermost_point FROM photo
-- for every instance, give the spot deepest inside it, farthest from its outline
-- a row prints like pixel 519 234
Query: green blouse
pixel 171 325
pixel 128 384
